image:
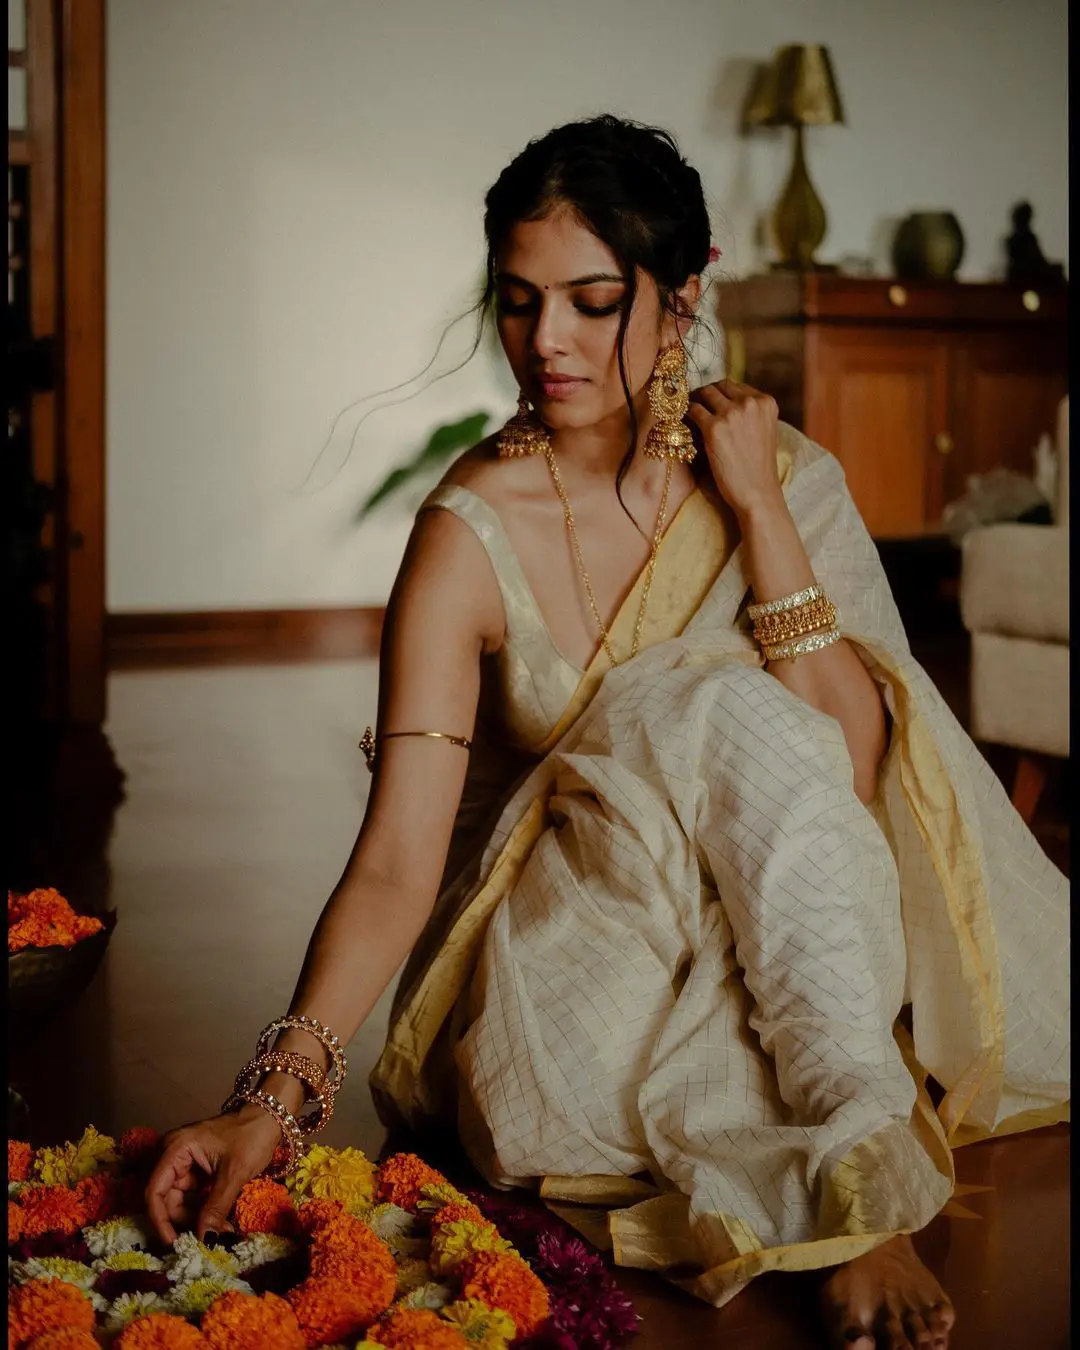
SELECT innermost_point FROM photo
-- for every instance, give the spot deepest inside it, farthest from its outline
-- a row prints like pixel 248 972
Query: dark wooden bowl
pixel 42 981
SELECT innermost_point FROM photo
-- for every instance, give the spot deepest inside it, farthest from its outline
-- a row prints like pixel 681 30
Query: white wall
pixel 295 197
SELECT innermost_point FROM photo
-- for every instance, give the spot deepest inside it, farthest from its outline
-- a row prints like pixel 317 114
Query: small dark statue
pixel 1026 262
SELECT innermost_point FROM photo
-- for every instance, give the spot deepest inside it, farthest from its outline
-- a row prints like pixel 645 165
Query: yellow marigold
pixel 241 1322
pixel 265 1206
pixel 484 1328
pixel 160 1331
pixel 506 1282
pixel 19 1158
pixel 345 1175
pixel 331 1310
pixel 64 1338
pixel 50 1209
pixel 452 1243
pixel 417 1329
pixel 45 1305
pixel 68 1164
pixel 402 1177
pixel 436 1195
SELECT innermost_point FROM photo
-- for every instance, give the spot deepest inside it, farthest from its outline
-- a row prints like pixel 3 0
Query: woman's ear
pixel 687 298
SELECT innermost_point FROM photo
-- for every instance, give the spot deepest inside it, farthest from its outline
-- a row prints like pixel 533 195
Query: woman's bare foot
pixel 886 1300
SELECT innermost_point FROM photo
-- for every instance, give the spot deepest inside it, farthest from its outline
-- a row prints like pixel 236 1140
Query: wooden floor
pixel 244 791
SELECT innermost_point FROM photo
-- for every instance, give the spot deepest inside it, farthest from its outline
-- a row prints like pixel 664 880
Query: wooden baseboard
pixel 241 637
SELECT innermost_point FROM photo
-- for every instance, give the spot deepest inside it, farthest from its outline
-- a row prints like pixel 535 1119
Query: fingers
pixel 174 1175
pixel 214 1215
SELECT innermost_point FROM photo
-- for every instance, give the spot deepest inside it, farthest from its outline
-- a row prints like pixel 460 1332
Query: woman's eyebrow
pixel 511 279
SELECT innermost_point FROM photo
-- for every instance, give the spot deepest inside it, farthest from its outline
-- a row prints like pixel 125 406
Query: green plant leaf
pixel 443 442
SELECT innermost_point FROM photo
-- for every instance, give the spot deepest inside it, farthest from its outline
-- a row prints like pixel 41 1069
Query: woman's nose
pixel 549 336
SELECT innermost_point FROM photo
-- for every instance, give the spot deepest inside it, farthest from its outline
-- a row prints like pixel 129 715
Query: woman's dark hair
pixel 631 187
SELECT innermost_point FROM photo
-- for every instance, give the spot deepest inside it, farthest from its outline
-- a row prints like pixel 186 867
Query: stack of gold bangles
pixel 795 625
pixel 319 1087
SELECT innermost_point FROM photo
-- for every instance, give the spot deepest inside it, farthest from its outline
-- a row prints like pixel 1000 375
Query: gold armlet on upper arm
pixel 368 741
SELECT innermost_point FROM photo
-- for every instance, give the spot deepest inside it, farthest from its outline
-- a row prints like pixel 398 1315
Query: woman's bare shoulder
pixel 499 481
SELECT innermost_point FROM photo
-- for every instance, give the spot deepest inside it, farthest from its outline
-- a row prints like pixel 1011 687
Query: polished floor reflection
pixel 244 791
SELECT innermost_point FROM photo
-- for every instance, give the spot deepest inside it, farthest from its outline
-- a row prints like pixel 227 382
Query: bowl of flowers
pixel 53 951
pixel 344 1254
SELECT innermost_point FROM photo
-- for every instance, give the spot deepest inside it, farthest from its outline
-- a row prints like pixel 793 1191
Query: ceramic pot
pixel 929 246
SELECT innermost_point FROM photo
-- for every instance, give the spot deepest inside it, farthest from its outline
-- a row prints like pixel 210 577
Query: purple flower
pixel 71 1247
pixel 278 1277
pixel 560 1259
pixel 597 1314
pixel 547 1338
pixel 111 1284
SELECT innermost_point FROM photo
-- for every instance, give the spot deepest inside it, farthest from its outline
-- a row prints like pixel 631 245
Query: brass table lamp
pixel 796 89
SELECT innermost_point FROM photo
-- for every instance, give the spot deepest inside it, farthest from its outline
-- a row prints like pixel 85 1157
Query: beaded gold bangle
pixel 291 1133
pixel 795 623
pixel 299 1067
pixel 368 741
pixel 325 1037
pixel 785 602
pixel 787 651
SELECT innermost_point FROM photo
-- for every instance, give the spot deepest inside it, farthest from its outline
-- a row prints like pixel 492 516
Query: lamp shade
pixel 797 88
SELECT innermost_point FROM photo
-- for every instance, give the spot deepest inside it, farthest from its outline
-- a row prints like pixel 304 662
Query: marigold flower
pixel 160 1331
pixel 484 1328
pixel 42 1305
pixel 458 1210
pixel 95 1195
pixel 453 1243
pixel 14 1222
pixel 45 919
pixel 506 1282
pixel 240 1322
pixel 315 1214
pixel 52 1268
pixel 193 1298
pixel 139 1146
pixel 64 1338
pixel 50 1209
pixel 402 1177
pixel 19 1158
pixel 345 1174
pixel 331 1310
pixel 417 1329
pixel 436 1195
pixel 265 1206
pixel 68 1164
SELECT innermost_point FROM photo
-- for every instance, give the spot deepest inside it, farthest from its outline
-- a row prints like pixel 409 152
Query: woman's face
pixel 559 298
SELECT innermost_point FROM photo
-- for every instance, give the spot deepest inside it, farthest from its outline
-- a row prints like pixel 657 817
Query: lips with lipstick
pixel 559 386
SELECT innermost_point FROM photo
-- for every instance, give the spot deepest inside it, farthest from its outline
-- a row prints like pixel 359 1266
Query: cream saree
pixel 667 991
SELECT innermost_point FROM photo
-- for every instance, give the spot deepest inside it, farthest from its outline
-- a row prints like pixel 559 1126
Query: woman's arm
pixel 739 429
pixel 444 611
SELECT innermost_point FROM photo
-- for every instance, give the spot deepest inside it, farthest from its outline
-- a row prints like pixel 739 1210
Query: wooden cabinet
pixel 912 386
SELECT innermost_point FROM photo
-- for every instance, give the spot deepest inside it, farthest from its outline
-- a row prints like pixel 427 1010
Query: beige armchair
pixel 1014 600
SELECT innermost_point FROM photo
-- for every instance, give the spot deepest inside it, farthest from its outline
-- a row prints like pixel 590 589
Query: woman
pixel 668 822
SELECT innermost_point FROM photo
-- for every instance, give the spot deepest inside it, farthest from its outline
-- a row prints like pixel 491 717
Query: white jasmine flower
pixel 128 1260
pixel 192 1260
pixel 430 1295
pixel 127 1307
pixel 116 1235
pixel 194 1297
pixel 261 1248
pixel 58 1268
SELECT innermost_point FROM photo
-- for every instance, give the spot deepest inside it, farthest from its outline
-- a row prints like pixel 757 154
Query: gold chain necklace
pixel 661 520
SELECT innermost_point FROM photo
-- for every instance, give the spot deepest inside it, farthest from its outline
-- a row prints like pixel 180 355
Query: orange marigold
pixel 265 1206
pixel 14 1221
pixel 238 1321
pixel 506 1282
pixel 42 1305
pixel 329 1310
pixel 45 919
pixel 160 1331
pixel 417 1329
pixel 96 1195
pixel 451 1213
pixel 279 1158
pixel 65 1338
pixel 139 1145
pixel 50 1209
pixel 401 1177
pixel 315 1214
pixel 19 1158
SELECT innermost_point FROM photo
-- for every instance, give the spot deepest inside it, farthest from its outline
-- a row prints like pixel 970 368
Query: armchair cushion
pixel 1015 580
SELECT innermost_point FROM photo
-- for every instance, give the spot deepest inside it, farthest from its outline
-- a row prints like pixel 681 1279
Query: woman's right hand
pixel 231 1149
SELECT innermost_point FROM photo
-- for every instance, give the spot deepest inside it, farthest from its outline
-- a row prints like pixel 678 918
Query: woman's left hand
pixel 738 430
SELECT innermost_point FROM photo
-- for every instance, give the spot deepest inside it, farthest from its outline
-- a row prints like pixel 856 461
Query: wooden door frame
pixel 81 136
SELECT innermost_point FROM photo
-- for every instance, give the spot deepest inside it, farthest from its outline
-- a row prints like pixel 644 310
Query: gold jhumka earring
pixel 669 397
pixel 524 434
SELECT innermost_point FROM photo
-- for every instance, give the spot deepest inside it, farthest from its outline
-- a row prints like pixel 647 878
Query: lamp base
pixel 799 219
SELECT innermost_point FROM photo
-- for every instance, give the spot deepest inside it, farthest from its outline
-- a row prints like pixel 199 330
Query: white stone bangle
pixel 785 602
pixel 787 651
